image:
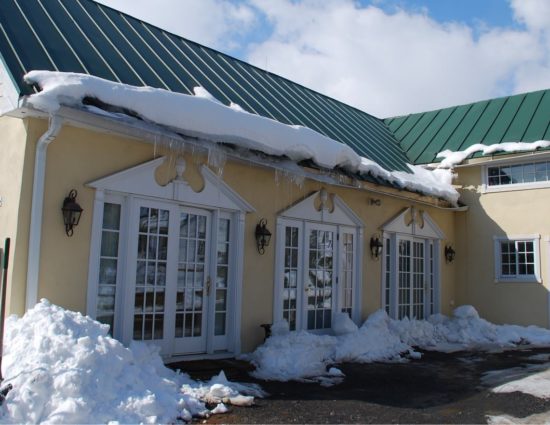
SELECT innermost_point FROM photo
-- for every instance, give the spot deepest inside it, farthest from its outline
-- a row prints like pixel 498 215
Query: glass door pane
pixel 404 279
pixel 150 285
pixel 418 280
pixel 347 277
pixel 320 278
pixel 191 287
pixel 290 279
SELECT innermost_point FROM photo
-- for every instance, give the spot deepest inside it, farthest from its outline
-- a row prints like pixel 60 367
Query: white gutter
pixel 35 234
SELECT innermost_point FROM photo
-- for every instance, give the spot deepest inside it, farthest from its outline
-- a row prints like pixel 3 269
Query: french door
pixel 178 280
pixel 316 273
pixel 411 278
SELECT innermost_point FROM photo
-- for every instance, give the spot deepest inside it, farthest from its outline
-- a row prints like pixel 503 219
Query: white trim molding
pixel 527 278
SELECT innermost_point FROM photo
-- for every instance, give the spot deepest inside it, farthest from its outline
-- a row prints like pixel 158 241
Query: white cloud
pixel 386 63
pixel 389 64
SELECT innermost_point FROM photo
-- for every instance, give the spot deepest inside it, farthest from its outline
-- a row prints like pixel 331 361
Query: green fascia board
pixel 88 37
pixel 520 118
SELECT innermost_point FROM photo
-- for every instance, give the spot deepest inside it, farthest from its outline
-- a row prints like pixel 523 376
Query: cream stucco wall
pixel 79 156
pixel 523 212
pixel 15 187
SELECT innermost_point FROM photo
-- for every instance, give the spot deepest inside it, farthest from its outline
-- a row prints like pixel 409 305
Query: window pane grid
pixel 320 279
pixel 108 264
pixel 347 273
pixel 290 276
pixel 517 258
pixel 517 174
pixel 388 275
pixel 222 275
pixel 150 290
pixel 191 275
pixel 404 279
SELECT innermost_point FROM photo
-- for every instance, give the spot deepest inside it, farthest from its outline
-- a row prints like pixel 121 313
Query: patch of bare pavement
pixel 439 388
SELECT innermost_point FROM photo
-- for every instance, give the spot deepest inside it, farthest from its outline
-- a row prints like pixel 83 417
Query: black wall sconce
pixel 375 247
pixel 263 236
pixel 71 212
pixel 449 254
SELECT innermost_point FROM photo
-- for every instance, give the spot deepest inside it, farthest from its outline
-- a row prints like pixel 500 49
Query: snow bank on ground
pixel 537 385
pixel 64 368
pixel 538 418
pixel 451 159
pixel 203 115
pixel 306 356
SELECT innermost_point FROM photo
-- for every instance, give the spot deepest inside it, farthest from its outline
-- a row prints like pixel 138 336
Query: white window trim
pixel 485 188
pixel 499 278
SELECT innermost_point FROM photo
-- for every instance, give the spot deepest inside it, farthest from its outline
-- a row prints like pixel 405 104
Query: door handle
pixel 208 284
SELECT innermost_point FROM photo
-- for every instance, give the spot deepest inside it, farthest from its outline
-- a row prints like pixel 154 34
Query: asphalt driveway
pixel 439 388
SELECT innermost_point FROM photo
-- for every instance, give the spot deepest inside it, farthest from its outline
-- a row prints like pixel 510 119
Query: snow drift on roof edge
pixel 203 115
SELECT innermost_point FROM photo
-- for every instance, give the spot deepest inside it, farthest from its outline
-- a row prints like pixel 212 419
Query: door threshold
pixel 199 356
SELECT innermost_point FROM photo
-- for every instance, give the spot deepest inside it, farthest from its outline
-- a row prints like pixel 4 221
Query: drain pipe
pixel 35 234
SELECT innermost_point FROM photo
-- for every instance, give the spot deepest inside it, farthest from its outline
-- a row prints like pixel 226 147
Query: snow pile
pixel 204 116
pixel 306 356
pixel 64 368
pixel 452 159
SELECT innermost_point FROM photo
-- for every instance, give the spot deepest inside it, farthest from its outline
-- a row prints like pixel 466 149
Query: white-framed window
pixel 517 258
pixel 508 176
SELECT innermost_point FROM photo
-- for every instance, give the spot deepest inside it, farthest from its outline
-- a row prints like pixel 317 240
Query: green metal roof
pixel 87 37
pixel 520 118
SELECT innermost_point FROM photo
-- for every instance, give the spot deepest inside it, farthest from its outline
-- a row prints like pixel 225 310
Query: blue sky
pixel 387 57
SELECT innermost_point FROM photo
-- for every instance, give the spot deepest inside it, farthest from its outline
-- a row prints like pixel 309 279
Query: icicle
pixel 217 159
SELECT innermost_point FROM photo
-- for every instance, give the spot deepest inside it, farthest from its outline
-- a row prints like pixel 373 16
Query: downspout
pixel 37 207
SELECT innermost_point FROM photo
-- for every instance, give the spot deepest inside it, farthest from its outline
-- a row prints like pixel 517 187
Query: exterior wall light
pixel 376 247
pixel 449 254
pixel 263 236
pixel 71 212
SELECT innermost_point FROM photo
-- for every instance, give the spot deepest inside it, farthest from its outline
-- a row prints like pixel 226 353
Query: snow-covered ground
pixel 308 357
pixel 65 368
pixel 204 116
pixel 537 385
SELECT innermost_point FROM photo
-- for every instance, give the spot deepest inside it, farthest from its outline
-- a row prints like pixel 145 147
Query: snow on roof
pixel 65 368
pixel 202 115
pixel 452 159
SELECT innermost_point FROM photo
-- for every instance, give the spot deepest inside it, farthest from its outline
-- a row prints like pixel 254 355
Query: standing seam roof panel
pixel 84 36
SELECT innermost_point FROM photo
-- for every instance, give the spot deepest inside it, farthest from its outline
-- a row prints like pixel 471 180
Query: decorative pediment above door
pixel 411 221
pixel 141 180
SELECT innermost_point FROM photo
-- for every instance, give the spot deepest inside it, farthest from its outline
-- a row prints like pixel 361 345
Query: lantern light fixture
pixel 449 253
pixel 263 236
pixel 376 247
pixel 71 212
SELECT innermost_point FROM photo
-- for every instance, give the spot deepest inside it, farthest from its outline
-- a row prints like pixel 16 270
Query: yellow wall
pixel 512 213
pixel 16 165
pixel 79 156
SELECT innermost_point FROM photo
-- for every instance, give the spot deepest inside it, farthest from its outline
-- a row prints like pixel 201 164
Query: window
pixel 108 265
pixel 535 174
pixel 517 259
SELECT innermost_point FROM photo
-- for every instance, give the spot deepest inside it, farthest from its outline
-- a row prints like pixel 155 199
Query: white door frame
pixel 138 183
pixel 308 213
